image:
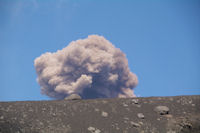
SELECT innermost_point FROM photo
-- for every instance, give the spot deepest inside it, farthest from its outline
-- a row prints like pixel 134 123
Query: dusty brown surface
pixel 179 114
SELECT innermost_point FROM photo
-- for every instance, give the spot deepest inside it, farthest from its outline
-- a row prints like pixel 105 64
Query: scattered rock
pixel 24 115
pixel 187 124
pixel 171 131
pixel 126 118
pixel 141 123
pixel 91 129
pixel 93 116
pixel 162 110
pixel 73 97
pixel 125 105
pixel 135 101
pixel 1 117
pixel 41 123
pixel 97 110
pixel 97 131
pixel 104 114
pixel 125 121
pixel 140 115
pixel 134 124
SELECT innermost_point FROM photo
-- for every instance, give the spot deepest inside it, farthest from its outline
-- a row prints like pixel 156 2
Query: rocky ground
pixel 180 114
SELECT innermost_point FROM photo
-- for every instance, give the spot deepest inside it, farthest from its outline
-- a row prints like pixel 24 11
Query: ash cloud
pixel 91 68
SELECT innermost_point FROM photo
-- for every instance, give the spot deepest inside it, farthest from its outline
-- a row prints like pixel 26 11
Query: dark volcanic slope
pixel 142 115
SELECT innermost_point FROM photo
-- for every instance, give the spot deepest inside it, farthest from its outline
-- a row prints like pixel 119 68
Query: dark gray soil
pixel 180 114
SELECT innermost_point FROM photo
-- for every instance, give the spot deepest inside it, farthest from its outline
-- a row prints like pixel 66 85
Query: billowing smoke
pixel 91 68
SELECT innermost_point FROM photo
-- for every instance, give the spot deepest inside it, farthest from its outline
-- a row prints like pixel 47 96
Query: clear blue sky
pixel 161 40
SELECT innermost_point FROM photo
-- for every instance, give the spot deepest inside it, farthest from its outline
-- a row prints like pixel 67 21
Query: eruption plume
pixel 91 68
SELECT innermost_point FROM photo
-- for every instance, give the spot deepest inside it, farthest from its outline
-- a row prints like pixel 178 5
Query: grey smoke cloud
pixel 91 67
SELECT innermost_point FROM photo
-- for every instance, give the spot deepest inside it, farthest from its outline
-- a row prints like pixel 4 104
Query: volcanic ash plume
pixel 91 68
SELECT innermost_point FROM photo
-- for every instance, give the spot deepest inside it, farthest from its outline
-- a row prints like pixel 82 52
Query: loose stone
pixel 91 128
pixel 135 124
pixel 162 110
pixel 104 114
pixel 135 101
pixel 126 118
pixel 97 110
pixel 97 131
pixel 1 117
pixel 125 105
pixel 140 115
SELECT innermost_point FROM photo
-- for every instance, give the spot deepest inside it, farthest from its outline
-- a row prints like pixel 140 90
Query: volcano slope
pixel 179 114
